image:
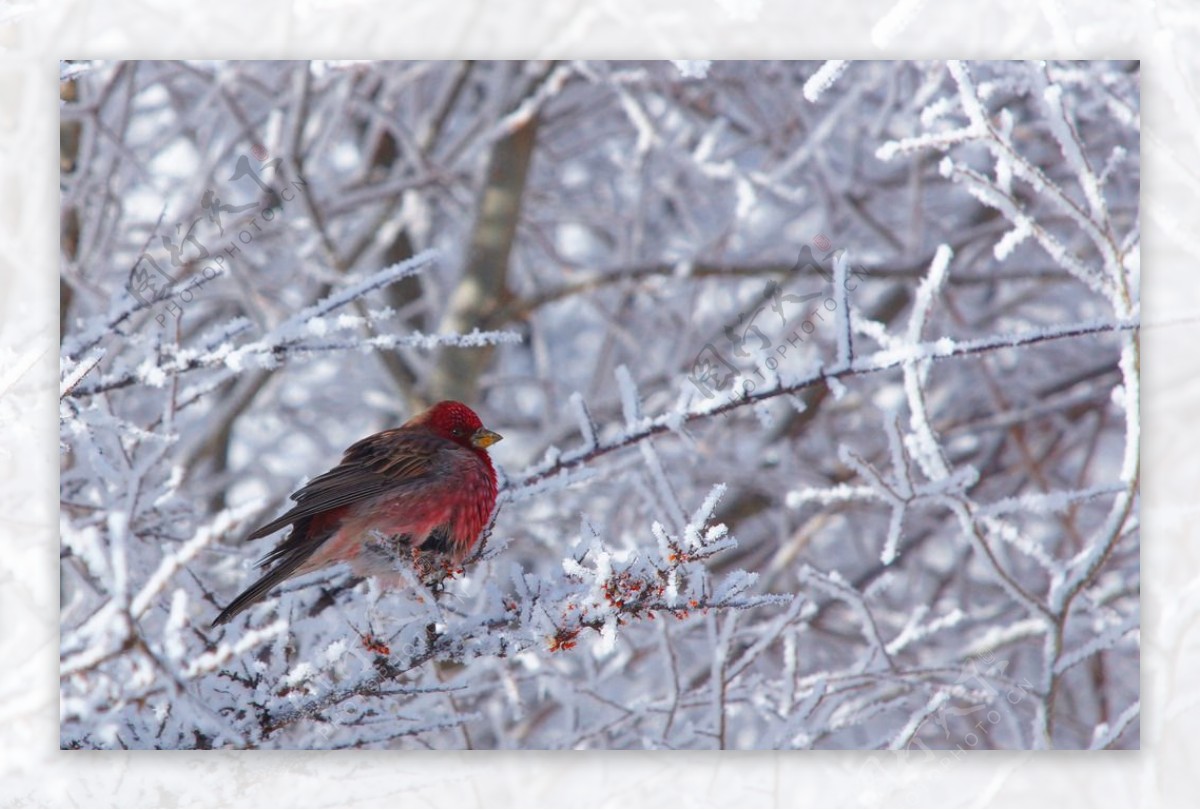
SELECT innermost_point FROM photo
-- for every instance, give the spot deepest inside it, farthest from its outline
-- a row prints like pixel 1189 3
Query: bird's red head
pixel 459 424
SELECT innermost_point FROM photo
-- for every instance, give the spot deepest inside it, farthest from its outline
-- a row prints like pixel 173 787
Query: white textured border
pixel 35 33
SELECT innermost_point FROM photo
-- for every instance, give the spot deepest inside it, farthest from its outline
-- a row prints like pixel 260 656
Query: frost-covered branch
pixel 879 321
pixel 878 362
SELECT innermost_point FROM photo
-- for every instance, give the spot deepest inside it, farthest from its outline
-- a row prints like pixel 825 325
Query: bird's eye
pixel 457 431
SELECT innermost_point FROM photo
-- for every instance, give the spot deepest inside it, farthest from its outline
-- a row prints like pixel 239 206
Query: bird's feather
pixel 291 555
pixel 381 463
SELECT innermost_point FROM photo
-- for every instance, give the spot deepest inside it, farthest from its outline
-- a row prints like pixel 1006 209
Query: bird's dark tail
pixel 289 556
pixel 258 590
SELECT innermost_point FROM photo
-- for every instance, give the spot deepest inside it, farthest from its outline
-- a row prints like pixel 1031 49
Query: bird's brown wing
pixel 385 462
pixel 380 463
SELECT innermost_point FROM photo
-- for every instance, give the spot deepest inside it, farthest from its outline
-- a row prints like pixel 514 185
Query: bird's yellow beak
pixel 485 438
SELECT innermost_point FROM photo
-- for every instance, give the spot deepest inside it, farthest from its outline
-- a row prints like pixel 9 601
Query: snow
pixel 936 140
pixel 823 79
pixel 858 535
pixel 1068 141
pixel 1011 239
pixel 692 69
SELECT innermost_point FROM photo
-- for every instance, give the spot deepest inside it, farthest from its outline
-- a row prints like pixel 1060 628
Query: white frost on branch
pixel 824 78
pixel 692 68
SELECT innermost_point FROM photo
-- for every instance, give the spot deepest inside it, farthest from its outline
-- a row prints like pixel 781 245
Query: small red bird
pixel 427 485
